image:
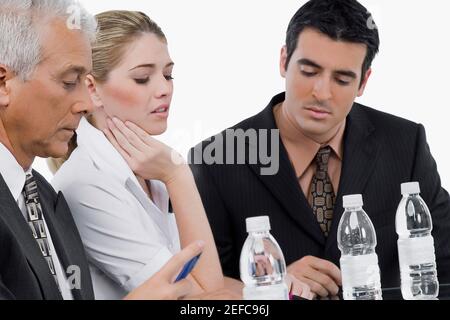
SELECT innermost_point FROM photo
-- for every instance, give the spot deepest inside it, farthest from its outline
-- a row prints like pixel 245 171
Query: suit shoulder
pixel 385 120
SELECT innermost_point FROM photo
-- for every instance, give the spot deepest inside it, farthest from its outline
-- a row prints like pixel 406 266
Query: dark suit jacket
pixel 24 274
pixel 381 151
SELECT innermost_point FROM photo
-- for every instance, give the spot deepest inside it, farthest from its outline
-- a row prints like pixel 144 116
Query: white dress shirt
pixel 127 236
pixel 15 177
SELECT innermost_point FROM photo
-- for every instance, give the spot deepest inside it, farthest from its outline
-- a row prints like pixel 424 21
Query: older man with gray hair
pixel 45 55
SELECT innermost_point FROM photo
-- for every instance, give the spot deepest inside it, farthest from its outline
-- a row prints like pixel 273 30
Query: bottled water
pixel 416 246
pixel 262 264
pixel 359 262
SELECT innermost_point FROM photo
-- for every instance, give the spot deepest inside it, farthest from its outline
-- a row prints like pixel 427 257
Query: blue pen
pixel 187 268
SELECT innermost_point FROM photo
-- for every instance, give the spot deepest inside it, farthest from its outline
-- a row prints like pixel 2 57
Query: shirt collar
pixel 103 153
pixel 12 172
pixel 307 146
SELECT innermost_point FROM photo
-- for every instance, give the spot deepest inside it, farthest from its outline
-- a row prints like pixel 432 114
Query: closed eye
pixel 308 74
pixel 69 85
pixel 142 80
pixel 342 82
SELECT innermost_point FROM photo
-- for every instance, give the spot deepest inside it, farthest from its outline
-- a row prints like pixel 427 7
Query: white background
pixel 227 52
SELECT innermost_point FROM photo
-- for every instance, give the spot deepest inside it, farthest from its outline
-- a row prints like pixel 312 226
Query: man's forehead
pixel 320 48
pixel 64 47
pixel 65 63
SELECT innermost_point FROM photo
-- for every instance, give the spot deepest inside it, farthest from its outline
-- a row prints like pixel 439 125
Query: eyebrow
pixel 346 73
pixel 75 69
pixel 151 65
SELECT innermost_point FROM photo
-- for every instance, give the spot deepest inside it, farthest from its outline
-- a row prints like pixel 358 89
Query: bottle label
pixel 360 271
pixel 415 251
pixel 269 292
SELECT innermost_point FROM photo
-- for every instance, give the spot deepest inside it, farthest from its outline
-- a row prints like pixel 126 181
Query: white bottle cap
pixel 256 224
pixel 353 200
pixel 410 188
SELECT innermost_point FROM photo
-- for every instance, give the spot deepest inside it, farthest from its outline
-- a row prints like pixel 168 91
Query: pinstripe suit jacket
pixel 24 274
pixel 381 151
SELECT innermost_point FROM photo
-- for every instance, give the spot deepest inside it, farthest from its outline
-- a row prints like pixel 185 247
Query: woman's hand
pixel 151 159
pixel 161 286
pixel 146 156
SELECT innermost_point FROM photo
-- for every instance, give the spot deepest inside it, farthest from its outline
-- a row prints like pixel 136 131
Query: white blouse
pixel 127 236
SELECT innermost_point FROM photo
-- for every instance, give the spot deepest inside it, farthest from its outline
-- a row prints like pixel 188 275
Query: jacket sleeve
pixel 437 198
pixel 5 294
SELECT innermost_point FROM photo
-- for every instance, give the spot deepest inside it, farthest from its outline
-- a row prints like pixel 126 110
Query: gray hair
pixel 20 43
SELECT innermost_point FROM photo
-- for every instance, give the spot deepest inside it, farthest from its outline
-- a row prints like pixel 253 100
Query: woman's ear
pixel 4 90
pixel 92 88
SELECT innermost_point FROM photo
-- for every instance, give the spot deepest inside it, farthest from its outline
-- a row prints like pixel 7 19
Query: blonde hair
pixel 117 29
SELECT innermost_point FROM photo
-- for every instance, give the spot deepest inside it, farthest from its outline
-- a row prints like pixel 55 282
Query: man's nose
pixel 322 89
pixel 84 105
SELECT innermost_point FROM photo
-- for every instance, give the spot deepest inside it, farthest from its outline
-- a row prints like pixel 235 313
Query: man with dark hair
pixel 329 146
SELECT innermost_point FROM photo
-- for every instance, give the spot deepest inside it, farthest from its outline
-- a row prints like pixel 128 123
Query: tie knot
pixel 30 191
pixel 323 156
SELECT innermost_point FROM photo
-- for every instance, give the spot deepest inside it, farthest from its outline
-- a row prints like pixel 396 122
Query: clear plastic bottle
pixel 415 246
pixel 359 262
pixel 262 264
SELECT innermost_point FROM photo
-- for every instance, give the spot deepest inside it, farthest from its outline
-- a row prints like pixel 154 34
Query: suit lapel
pixel 65 239
pixel 360 156
pixel 13 218
pixel 284 185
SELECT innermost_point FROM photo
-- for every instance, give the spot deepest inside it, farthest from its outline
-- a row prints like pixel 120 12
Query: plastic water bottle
pixel 359 262
pixel 262 264
pixel 416 246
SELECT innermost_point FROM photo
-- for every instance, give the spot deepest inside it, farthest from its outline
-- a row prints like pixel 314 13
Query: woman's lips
pixel 161 111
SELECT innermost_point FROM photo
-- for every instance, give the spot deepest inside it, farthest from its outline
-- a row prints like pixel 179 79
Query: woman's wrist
pixel 180 173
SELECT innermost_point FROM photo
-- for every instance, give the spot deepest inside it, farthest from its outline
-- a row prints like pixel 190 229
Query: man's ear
pixel 364 82
pixel 283 59
pixel 93 93
pixel 5 75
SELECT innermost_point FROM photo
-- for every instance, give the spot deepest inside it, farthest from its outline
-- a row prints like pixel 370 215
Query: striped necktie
pixel 36 221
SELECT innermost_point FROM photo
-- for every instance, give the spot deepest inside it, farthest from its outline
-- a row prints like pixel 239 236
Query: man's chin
pixel 56 150
pixel 316 130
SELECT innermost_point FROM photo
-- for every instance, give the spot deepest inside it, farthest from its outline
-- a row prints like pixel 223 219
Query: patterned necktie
pixel 323 197
pixel 36 221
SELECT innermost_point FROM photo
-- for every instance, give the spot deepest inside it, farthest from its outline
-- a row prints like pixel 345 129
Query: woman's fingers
pixel 144 136
pixel 182 288
pixel 174 265
pixel 121 139
pixel 131 137
pixel 110 136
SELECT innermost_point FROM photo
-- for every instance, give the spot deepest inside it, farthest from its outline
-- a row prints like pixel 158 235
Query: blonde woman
pixel 119 179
